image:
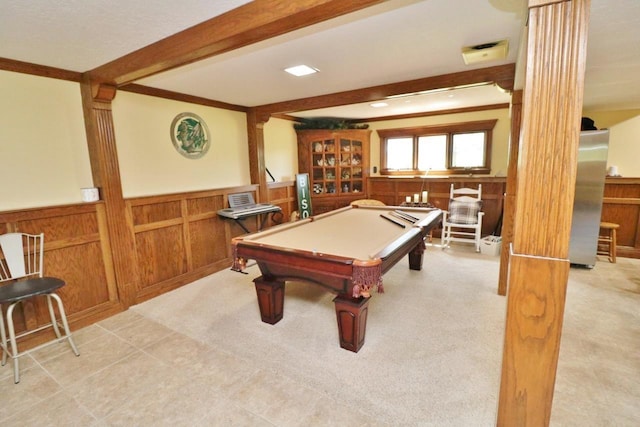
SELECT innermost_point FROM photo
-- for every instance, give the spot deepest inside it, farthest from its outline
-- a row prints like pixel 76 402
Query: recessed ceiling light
pixel 379 104
pixel 301 70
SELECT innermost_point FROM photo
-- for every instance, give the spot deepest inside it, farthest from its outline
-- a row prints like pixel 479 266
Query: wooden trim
pixel 251 23
pixel 39 70
pixel 433 113
pixel 622 201
pixel 504 73
pixel 175 96
pixel 510 196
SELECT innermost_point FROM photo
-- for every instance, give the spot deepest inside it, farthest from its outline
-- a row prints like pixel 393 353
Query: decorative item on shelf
pixel 317 188
pixel 332 161
pixel 317 147
pixel 346 174
pixel 613 171
pixel 345 188
pixel 425 196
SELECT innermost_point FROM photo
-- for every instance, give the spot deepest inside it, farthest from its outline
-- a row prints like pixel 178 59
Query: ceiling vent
pixel 493 51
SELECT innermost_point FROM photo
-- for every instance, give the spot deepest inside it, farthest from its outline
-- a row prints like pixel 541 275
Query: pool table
pixel 345 251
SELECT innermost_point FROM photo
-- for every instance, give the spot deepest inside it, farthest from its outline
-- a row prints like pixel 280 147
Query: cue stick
pixel 399 224
pixel 401 217
pixel 407 215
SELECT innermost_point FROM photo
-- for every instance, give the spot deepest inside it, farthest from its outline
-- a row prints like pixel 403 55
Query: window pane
pixel 468 150
pixel 400 153
pixel 432 152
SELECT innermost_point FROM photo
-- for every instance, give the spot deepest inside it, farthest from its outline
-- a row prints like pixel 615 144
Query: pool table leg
pixel 270 299
pixel 416 255
pixel 352 321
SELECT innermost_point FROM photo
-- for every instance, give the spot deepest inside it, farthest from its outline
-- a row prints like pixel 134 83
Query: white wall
pixel 150 164
pixel 44 158
pixel 624 147
pixel 280 149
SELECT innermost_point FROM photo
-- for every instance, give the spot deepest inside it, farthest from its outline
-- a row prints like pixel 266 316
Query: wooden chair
pixel 462 221
pixel 367 202
pixel 21 278
pixel 607 243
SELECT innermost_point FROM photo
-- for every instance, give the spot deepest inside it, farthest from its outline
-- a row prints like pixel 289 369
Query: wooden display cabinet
pixel 337 162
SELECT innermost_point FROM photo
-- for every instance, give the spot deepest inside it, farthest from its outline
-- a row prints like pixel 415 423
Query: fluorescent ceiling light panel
pixel 301 70
pixel 379 104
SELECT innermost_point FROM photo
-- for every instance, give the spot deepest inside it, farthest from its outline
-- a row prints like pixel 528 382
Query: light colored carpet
pixel 433 347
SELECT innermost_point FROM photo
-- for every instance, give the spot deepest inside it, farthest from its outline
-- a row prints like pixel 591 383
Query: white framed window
pixel 456 148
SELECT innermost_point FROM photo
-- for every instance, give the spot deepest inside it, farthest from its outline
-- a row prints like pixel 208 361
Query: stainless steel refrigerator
pixel 587 207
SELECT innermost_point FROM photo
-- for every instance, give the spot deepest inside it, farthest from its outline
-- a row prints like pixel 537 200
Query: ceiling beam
pixel 502 75
pixel 251 23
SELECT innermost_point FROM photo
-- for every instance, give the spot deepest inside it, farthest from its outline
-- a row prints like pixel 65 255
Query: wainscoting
pixel 178 238
pixel 622 206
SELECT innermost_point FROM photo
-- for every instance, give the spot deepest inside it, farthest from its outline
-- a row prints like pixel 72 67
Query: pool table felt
pixel 356 232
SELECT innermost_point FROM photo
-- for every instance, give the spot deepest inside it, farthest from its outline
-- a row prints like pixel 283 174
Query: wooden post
pixel 257 167
pixel 510 197
pixel 539 265
pixel 96 104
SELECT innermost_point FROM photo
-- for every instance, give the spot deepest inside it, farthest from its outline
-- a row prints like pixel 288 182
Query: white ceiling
pixel 395 41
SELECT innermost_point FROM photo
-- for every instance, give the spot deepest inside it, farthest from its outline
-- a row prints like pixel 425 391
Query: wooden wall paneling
pixel 74 251
pixel 186 233
pixel 208 242
pixel 152 211
pixel 621 205
pixel 161 254
pixel 207 235
pixel 106 253
pixel 180 237
pixel 282 194
pixel 383 190
pixel 626 215
pixel 539 267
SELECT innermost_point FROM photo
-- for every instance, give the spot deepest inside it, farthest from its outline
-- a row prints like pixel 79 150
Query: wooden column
pixel 539 268
pixel 96 104
pixel 257 167
pixel 510 198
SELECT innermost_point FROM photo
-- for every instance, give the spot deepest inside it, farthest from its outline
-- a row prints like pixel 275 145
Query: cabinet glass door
pixel 350 167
